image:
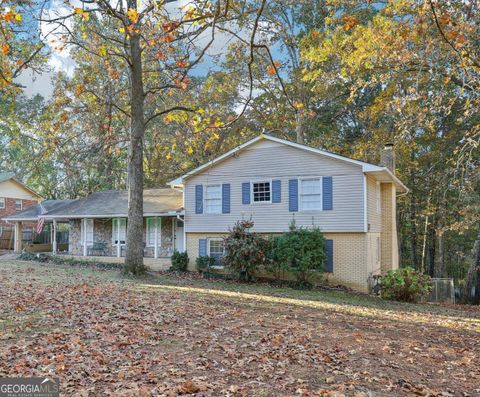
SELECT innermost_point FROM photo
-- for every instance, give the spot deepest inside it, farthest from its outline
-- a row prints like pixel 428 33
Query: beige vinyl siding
pixel 267 161
pixel 373 215
pixel 13 189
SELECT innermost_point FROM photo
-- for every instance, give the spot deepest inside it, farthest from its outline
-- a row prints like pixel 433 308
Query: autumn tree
pixel 20 45
pixel 158 45
pixel 412 67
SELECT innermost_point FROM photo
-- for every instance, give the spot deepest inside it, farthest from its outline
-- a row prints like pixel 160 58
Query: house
pixel 97 225
pixel 274 181
pixel 269 180
pixel 15 196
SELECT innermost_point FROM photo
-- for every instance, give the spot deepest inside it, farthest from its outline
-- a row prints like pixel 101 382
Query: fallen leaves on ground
pixel 102 335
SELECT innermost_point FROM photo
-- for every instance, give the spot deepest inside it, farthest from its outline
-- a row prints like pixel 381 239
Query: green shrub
pixel 179 261
pixel 204 263
pixel 405 285
pixel 273 265
pixel 245 251
pixel 302 252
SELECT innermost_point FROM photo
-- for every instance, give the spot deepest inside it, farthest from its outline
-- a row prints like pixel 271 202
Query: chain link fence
pixel 443 291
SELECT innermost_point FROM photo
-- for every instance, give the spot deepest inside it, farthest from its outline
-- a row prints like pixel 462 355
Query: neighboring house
pixel 268 180
pixel 15 197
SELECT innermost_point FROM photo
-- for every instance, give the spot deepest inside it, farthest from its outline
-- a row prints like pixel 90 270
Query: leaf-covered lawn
pixel 164 336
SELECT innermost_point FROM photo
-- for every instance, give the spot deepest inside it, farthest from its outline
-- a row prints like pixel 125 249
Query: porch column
pixel 17 238
pixel 155 249
pixel 54 239
pixel 84 233
pixel 119 247
pixel 184 248
pixel 174 233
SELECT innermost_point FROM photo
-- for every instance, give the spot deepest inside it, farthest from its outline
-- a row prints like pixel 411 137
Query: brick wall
pixel 389 244
pixel 350 257
pixel 10 208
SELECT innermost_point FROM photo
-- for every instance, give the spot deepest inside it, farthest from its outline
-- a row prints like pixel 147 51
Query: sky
pixel 61 61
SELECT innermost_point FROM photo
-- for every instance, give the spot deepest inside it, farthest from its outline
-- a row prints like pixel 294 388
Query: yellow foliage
pixel 132 15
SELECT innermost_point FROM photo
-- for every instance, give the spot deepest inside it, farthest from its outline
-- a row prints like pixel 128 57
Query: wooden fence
pixel 6 237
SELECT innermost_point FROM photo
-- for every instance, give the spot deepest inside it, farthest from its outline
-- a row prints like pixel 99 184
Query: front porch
pixel 106 237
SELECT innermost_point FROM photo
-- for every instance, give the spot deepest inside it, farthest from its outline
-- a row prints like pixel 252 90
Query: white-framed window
pixel 1 230
pixel 378 195
pixel 216 249
pixel 152 224
pixel 88 234
pixel 213 199
pixel 262 192
pixel 119 231
pixel 18 204
pixel 2 202
pixel 311 194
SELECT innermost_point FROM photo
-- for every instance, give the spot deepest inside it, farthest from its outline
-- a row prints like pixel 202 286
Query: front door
pixel 179 237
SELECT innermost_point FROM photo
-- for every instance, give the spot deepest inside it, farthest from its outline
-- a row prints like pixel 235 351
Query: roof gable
pixel 366 167
pixel 10 176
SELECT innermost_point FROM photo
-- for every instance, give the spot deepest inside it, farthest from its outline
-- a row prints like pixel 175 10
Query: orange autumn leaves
pixel 273 68
pixel 8 63
pixel 11 17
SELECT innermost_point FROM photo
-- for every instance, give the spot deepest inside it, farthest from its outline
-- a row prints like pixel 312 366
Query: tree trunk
pixel 473 270
pixel 431 248
pixel 299 128
pixel 439 260
pixel 134 255
pixel 424 245
pixel 414 238
pixel 107 153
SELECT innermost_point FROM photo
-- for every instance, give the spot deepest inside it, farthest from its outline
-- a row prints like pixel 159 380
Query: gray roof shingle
pixel 108 204
pixel 36 210
pixel 111 203
pixel 5 176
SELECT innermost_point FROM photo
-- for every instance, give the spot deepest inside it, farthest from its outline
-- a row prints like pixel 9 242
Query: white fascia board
pixel 105 216
pixel 400 187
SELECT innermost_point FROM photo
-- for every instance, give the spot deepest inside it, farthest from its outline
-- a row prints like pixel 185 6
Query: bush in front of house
pixel 179 261
pixel 405 285
pixel 245 251
pixel 302 252
pixel 204 263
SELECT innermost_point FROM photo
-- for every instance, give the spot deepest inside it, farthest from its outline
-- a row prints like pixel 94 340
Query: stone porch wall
pixel 102 231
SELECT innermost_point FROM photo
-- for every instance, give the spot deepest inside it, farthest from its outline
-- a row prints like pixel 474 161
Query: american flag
pixel 41 220
pixel 39 227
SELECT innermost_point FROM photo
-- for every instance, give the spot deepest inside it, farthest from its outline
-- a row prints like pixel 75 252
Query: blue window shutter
pixel 226 198
pixel 329 267
pixel 276 191
pixel 199 199
pixel 327 193
pixel 293 195
pixel 202 247
pixel 246 193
